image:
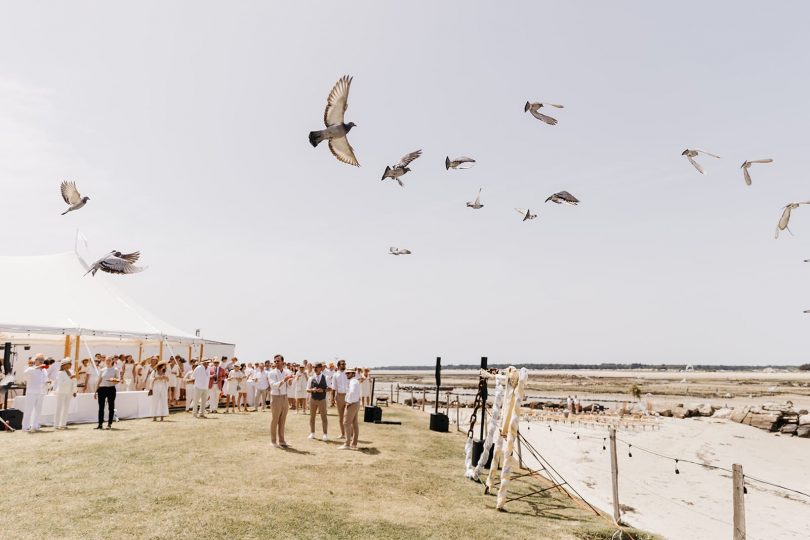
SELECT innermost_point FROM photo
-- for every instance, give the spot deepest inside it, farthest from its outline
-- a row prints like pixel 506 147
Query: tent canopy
pixel 49 295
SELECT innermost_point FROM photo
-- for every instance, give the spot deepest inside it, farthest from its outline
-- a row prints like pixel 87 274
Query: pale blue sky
pixel 186 123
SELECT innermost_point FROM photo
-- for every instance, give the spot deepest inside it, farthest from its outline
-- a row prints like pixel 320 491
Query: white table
pixel 84 409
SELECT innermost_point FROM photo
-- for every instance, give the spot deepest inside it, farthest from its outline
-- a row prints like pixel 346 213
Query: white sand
pixel 696 503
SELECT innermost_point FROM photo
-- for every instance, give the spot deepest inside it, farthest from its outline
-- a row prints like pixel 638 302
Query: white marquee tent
pixel 48 303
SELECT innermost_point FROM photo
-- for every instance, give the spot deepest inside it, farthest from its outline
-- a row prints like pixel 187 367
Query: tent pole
pixel 202 348
pixel 76 357
pixel 140 351
pixel 160 353
pixel 67 347
pixel 189 353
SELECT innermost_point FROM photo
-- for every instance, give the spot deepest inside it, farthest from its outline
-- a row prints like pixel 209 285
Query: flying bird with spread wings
pixel 693 153
pixel 563 197
pixel 400 168
pixel 785 219
pixel 398 251
pixel 747 165
pixel 534 109
pixel 477 203
pixel 458 162
pixel 526 213
pixel 116 262
pixel 336 129
pixel 72 197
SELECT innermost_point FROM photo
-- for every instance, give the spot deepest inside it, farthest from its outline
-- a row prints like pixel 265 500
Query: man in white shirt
pixel 262 382
pixel 201 378
pixel 279 382
pixel 36 381
pixel 351 427
pixel 341 384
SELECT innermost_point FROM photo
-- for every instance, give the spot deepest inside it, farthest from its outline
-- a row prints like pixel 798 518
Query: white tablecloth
pixel 84 409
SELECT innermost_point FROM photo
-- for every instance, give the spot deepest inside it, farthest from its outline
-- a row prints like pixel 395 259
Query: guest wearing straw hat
pixel 350 423
pixel 188 379
pixel 158 386
pixel 66 387
pixel 201 379
pixel 316 387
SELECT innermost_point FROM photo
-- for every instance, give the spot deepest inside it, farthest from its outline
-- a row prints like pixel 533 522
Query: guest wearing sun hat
pixel 351 425
pixel 66 388
pixel 158 386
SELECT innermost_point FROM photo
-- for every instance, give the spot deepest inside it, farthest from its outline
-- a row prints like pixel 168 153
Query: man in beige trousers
pixel 350 424
pixel 279 381
pixel 317 387
pixel 341 384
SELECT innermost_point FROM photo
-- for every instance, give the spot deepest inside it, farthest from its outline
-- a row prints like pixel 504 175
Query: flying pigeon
pixel 336 130
pixel 72 197
pixel 563 197
pixel 116 262
pixel 527 214
pixel 534 108
pixel 397 251
pixel 477 204
pixel 747 164
pixel 457 162
pixel 783 221
pixel 400 168
pixel 693 153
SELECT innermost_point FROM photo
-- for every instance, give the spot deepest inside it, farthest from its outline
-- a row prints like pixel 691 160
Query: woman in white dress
pixel 300 383
pixel 158 386
pixel 129 374
pixel 174 371
pixel 92 376
pixel 247 388
pixel 65 392
pixel 235 378
pixel 366 385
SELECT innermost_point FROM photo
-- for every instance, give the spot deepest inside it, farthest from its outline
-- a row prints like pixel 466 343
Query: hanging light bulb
pixel 676 467
pixel 603 443
pixel 629 453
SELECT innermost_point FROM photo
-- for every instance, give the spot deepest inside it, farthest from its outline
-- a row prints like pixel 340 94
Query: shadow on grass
pixel 369 451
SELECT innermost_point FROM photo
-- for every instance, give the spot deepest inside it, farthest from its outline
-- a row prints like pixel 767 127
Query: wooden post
pixel 160 349
pixel 458 407
pixel 67 347
pixel 614 475
pixel 739 501
pixel 397 392
pixel 413 400
pixel 448 403
pixel 424 398
pixel 202 348
pixel 189 353
pixel 140 352
pixel 76 356
pixel 391 388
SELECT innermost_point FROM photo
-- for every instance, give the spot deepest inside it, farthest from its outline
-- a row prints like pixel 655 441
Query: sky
pixel 186 123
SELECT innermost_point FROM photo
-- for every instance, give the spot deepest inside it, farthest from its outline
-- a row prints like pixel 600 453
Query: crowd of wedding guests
pixel 276 386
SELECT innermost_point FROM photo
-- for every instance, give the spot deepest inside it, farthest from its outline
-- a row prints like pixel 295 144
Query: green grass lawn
pixel 220 478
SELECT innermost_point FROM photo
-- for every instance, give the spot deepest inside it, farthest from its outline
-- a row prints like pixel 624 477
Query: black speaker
pixel 478 449
pixel 439 422
pixel 13 417
pixel 372 414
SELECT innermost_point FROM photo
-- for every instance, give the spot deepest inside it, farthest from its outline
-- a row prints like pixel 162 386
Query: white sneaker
pixel 324 438
pixel 311 436
pixel 342 437
pixel 344 447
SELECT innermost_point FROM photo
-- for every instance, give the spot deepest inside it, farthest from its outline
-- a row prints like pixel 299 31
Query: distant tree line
pixel 607 366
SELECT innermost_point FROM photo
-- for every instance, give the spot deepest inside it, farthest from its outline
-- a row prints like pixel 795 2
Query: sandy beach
pixel 697 503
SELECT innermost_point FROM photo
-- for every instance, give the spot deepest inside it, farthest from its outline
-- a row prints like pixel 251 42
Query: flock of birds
pixel 336 133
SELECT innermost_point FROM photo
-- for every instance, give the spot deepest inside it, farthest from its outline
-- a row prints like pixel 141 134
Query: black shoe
pixel 98 426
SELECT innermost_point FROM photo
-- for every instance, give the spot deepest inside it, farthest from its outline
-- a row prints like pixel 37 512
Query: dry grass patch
pixel 220 478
